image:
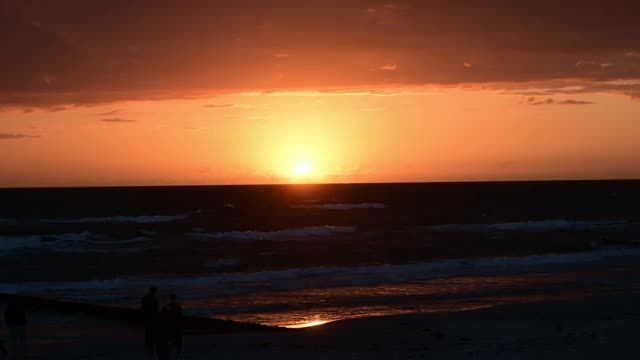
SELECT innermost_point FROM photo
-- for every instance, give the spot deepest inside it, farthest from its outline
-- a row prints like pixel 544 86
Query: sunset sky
pixel 154 92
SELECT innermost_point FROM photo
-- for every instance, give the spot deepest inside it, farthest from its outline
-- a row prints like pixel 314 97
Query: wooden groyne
pixel 191 324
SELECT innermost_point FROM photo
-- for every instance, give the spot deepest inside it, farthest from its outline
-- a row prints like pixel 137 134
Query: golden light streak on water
pixel 308 324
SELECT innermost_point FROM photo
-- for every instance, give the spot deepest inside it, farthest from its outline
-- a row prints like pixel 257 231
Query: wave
pixel 342 206
pixel 40 241
pixel 306 232
pixel 544 225
pixel 68 242
pixel 123 219
pixel 295 279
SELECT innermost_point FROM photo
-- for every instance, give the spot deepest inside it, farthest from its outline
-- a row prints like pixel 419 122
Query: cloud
pixel 573 102
pixel 331 93
pixel 66 53
pixel 283 55
pixel 222 106
pixel 6 136
pixel 389 14
pixel 393 67
pixel 117 120
pixel 58 109
pixel 112 112
pixel 48 79
pixel 543 102
pixel 629 88
pixel 550 101
pixel 215 106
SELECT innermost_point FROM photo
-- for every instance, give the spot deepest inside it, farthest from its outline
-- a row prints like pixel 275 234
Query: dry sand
pixel 602 326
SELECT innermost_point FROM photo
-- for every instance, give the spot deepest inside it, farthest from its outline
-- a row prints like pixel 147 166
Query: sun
pixel 302 169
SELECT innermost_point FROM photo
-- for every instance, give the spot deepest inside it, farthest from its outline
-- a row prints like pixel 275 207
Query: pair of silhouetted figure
pixel 15 319
pixel 163 328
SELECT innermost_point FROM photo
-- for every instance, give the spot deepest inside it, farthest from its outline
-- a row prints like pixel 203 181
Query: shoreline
pixel 605 324
pixel 130 316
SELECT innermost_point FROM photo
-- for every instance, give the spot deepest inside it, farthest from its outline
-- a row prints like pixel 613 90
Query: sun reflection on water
pixel 307 324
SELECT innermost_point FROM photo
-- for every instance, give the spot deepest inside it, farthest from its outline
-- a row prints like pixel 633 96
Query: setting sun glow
pixel 302 169
pixel 316 94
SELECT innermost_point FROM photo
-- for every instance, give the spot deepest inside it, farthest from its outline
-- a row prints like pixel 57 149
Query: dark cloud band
pixel 79 52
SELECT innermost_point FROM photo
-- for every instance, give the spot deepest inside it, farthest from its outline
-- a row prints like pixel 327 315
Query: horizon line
pixel 315 184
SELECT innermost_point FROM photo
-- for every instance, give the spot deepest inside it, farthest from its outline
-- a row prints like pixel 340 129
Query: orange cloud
pixel 65 52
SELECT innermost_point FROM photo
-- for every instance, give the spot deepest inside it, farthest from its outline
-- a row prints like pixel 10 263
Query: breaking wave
pixel 316 231
pixel 545 225
pixel 342 206
pixel 293 279
pixel 68 242
pixel 123 219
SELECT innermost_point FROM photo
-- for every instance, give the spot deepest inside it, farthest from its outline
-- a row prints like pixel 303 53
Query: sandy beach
pixel 603 325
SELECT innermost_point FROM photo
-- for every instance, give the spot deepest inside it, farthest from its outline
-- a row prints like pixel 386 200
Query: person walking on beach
pixel 169 330
pixel 150 309
pixel 174 321
pixel 16 320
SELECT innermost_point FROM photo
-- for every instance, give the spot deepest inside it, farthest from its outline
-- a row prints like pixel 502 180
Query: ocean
pixel 294 255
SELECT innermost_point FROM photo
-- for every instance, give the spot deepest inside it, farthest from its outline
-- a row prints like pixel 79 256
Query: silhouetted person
pixel 150 309
pixel 16 320
pixel 3 351
pixel 164 335
pixel 169 330
pixel 173 314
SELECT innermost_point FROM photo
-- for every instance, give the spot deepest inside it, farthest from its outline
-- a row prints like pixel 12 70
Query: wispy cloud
pixel 573 102
pixel 48 79
pixel 216 106
pixel 112 112
pixel 550 101
pixel 58 109
pixel 8 136
pixel 117 120
pixel 316 93
pixel 222 106
pixel 283 55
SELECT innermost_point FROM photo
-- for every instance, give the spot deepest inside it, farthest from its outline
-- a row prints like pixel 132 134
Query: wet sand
pixel 604 325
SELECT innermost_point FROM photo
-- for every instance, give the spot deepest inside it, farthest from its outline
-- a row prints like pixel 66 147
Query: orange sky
pixel 357 91
pixel 412 135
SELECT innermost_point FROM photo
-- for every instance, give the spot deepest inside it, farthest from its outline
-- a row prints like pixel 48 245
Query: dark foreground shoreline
pixel 603 325
pixel 191 324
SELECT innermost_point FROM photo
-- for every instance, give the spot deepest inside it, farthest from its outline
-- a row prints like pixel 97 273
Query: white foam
pixel 316 231
pixel 68 242
pixel 544 225
pixel 342 206
pixel 275 280
pixel 108 241
pixel 18 242
pixel 123 219
pixel 8 243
